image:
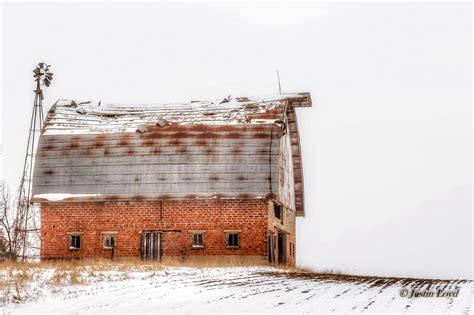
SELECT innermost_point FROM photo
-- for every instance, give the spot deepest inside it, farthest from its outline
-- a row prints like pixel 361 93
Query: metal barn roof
pixel 226 148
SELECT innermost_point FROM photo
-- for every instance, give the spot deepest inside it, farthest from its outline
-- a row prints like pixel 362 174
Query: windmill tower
pixel 43 77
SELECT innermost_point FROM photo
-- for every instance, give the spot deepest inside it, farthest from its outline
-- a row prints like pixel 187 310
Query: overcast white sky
pixel 386 147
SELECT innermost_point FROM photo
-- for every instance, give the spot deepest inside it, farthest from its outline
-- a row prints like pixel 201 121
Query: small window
pixel 198 240
pixel 75 242
pixel 233 240
pixel 277 208
pixel 109 241
pixel 292 249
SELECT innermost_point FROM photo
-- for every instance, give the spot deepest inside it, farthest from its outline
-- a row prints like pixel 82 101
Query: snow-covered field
pixel 233 289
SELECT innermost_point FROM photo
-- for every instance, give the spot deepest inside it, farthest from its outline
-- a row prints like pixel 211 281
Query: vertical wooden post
pixel 142 246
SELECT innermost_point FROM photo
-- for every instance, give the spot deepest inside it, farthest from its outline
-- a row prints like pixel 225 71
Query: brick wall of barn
pixel 176 218
pixel 284 225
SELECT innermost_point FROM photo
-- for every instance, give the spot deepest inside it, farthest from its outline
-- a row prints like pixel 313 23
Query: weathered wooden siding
pixel 286 181
pixel 172 162
pixel 296 160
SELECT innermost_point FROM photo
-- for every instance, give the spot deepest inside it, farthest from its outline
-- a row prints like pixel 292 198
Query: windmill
pixel 43 77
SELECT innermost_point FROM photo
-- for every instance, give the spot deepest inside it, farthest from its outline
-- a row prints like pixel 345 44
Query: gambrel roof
pixel 226 148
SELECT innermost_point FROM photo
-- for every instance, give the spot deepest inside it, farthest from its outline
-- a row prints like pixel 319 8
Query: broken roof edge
pixel 297 102
pixel 73 117
pixel 294 98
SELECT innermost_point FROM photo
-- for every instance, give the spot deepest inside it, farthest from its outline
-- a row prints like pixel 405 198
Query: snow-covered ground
pixel 236 289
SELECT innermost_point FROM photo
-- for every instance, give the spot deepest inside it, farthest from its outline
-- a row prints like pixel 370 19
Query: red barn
pixel 220 178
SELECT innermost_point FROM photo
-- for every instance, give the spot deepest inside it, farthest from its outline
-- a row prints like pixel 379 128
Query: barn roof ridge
pixel 72 117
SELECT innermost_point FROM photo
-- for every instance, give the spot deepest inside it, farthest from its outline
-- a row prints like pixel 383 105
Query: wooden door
pixel 271 247
pixel 150 246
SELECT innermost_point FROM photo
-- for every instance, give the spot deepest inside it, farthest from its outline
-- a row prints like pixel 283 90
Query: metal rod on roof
pixel 279 84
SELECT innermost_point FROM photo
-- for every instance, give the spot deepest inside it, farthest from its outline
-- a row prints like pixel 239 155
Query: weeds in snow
pixel 17 285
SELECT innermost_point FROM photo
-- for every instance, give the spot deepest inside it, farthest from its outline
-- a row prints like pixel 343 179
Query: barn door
pixel 271 247
pixel 150 246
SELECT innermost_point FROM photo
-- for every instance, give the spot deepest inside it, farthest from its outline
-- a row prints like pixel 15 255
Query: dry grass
pixel 125 264
pixel 20 282
pixel 214 261
pixel 94 264
pixel 67 277
pixel 15 284
pixel 16 277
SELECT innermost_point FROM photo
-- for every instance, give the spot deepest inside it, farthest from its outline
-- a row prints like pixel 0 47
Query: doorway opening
pixel 281 248
pixel 150 248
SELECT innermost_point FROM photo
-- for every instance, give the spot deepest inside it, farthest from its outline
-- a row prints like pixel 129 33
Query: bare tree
pixel 12 218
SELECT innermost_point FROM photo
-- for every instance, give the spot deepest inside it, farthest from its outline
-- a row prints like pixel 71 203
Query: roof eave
pixel 303 101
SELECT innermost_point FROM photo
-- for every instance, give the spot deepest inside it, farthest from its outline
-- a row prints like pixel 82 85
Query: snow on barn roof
pixel 71 117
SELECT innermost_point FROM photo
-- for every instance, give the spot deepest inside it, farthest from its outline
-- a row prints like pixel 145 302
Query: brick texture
pixel 175 218
pixel 286 226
